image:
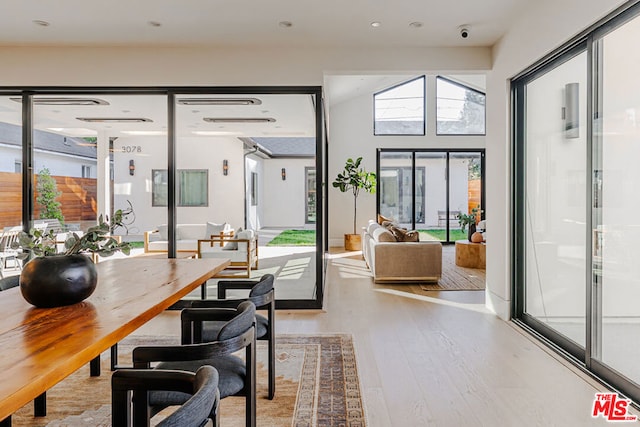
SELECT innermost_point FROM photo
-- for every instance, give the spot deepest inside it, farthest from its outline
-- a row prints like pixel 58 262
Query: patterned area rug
pixel 456 278
pixel 317 384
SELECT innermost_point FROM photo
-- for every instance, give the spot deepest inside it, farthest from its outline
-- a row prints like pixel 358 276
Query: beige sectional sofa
pixel 393 261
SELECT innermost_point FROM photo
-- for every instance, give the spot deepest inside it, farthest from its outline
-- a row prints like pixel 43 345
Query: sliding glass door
pixel 555 198
pixel 425 190
pixel 576 277
pixel 616 228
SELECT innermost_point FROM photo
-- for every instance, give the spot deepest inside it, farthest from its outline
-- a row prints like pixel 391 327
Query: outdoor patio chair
pixel 196 411
pixel 237 377
pixel 9 235
pixel 262 294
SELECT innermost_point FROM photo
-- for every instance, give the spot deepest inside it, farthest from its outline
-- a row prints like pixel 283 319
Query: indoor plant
pixel 53 278
pixel 354 178
pixel 469 220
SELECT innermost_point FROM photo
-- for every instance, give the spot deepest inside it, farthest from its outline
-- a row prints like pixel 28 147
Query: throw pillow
pixel 402 235
pixel 382 219
pixel 412 236
pixel 163 231
pixel 232 246
pixel 214 229
pixel 383 235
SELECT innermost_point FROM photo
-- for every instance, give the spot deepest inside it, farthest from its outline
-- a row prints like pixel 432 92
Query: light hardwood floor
pixel 439 360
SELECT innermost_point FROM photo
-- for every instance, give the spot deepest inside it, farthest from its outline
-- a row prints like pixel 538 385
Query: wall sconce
pixel 284 174
pixel 132 167
pixel 225 167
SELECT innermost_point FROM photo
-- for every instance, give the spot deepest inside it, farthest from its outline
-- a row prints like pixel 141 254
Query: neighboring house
pixel 62 155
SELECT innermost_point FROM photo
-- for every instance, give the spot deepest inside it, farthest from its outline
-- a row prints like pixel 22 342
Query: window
pixel 17 166
pixel 460 110
pixel 193 187
pixel 310 174
pixel 400 110
pixel 86 171
pixel 254 189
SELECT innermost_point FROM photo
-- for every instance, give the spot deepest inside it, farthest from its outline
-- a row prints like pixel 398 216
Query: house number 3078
pixel 131 149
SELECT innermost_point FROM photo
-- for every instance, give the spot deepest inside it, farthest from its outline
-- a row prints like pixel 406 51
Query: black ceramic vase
pixel 58 280
pixel 472 229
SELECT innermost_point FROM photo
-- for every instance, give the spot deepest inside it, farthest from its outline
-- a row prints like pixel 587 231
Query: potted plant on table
pixel 53 278
pixel 469 220
pixel 354 178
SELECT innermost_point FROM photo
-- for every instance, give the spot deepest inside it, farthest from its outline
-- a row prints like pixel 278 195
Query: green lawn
pixel 135 245
pixel 294 238
pixel 441 234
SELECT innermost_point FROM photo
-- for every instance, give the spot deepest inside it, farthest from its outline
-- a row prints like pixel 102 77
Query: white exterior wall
pixel 225 192
pixel 284 202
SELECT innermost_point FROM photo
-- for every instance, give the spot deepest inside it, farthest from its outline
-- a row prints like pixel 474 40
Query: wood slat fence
pixel 78 199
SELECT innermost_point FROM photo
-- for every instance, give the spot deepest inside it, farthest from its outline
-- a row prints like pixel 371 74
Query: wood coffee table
pixel 471 255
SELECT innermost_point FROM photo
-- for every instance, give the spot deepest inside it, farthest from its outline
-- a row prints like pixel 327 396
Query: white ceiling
pixel 293 114
pixel 256 22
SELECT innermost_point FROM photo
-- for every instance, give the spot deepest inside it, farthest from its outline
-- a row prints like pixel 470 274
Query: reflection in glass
pixel 616 228
pixel 555 208
pixel 460 109
pixel 400 109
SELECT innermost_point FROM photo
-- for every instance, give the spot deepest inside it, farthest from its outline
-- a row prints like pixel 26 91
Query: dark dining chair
pixel 237 377
pixel 9 282
pixel 201 387
pixel 262 295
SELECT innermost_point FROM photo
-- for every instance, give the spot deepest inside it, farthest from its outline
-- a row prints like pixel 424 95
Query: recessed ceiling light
pixel 114 119
pixel 41 23
pixel 376 24
pixel 154 23
pixel 285 24
pixel 219 101
pixel 416 24
pixel 238 119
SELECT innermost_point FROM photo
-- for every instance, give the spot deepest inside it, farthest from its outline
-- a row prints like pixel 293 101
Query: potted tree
pixel 470 220
pixel 354 178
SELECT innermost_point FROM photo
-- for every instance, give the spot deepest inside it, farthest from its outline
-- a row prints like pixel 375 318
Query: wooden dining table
pixel 40 347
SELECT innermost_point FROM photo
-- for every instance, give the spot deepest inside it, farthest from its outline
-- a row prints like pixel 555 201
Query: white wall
pixel 351 135
pixel 542 29
pixel 58 164
pixel 284 202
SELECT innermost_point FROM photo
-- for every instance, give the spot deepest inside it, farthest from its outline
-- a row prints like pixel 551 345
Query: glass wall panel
pixel 396 187
pixel 94 154
pixel 254 157
pixel 616 229
pixel 10 182
pixel 555 198
pixel 431 196
pixel 465 190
